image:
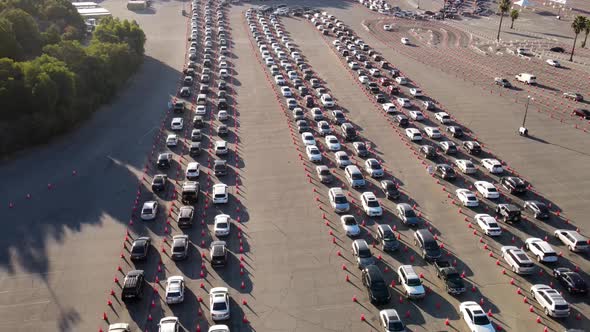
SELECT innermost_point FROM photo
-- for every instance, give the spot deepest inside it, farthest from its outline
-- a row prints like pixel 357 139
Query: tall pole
pixel 444 9
pixel 526 110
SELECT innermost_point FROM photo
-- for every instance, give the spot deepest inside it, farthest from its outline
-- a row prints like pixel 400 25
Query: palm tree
pixel 514 16
pixel 578 25
pixel 503 6
pixel 586 31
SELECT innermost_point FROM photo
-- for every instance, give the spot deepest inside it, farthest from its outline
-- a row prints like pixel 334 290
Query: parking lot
pixel 290 262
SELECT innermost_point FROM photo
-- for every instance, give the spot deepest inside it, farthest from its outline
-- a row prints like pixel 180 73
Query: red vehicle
pixel 392 89
pixel 385 81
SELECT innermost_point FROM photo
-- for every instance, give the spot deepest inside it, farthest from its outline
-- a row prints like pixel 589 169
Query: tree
pixel 513 16
pixel 578 25
pixel 26 30
pixel 9 46
pixel 113 30
pixel 51 35
pixel 586 31
pixel 503 7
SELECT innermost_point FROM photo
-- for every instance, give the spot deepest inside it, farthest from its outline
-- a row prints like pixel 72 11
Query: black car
pixel 304 91
pixel 222 130
pixel 472 147
pixel 185 92
pixel 513 184
pixel 509 212
pixel 448 147
pixel 140 248
pixel 583 113
pixel 164 160
pixel 557 49
pixel 571 280
pixel 222 86
pixel 390 189
pixel 428 245
pixel 375 283
pixel 455 131
pixel 401 120
pixel 178 107
pixel 502 82
pixel 302 126
pixel 445 172
pixel 538 209
pixel 360 149
pixel 132 287
pixel 387 238
pixel 380 98
pixel 159 182
pixel 220 167
pixel 218 252
pixel 222 104
pixel 428 151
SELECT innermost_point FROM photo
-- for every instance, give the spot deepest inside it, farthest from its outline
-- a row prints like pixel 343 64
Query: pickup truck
pixel 453 281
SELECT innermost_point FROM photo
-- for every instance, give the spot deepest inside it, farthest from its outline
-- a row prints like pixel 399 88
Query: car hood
pixel 415 289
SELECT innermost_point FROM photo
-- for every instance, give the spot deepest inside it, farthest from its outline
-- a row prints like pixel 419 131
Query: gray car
pixel 362 253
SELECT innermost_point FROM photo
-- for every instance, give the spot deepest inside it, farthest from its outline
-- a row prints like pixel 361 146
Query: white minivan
pixel 526 78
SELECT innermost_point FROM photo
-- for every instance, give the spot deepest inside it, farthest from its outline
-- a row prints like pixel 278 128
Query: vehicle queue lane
pixel 412 173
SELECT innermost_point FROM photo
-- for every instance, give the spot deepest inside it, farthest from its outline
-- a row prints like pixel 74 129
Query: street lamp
pixel 523 131
pixel 444 9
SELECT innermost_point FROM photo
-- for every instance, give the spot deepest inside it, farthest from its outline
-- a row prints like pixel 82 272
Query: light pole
pixel 444 9
pixel 526 110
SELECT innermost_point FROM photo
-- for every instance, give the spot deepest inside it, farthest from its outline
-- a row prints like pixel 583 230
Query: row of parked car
pixel 515 257
pixel 209 39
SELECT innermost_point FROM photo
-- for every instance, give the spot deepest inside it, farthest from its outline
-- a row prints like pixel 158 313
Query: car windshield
pixel 178 248
pixel 395 326
pixel 364 253
pixel 343 157
pixel 409 213
pixel 147 211
pixel 340 199
pixel 314 151
pixel 372 204
pixel 414 282
pixel 481 320
pixel 222 225
pixel 492 190
pixel 357 176
pixel 174 294
pixel 350 222
pixel 388 236
pixel 137 249
pixel 493 225
pixel 219 306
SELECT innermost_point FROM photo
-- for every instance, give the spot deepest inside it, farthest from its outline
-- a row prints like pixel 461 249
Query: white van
pixel 526 78
pixel 354 176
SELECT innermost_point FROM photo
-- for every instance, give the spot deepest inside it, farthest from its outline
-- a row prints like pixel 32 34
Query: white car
pixel 279 80
pixel 573 240
pixel 416 115
pixel 443 117
pixel 387 27
pixel 327 100
pixel 175 290
pixel 465 166
pixel 401 80
pixel 364 79
pixel 177 124
pixel 149 211
pixel 313 153
pixel 332 143
pixel 308 139
pixel 487 189
pixel 169 324
pixel 269 61
pixel 404 102
pixel 371 205
pixel 405 41
pixel 488 224
pixel 373 168
pixel 411 282
pixel 324 128
pixel 342 159
pixel 222 115
pixel 317 114
pixel 220 193
pixel 416 92
pixel 414 134
pixel 201 110
pixel 171 140
pixel 353 65
pixel 350 226
pixel 219 303
pixel 550 300
pixel 553 63
pixel 541 249
pixel 192 171
pixel 286 91
pixel 492 165
pixel 476 319
pixel 218 328
pixel 467 197
pixel 432 132
pixel 389 108
pixel 222 225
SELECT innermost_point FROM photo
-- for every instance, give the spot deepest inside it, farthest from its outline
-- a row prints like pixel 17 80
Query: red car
pixel 385 81
pixel 392 89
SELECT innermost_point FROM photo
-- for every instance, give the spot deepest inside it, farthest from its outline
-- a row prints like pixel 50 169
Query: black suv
pixel 390 189
pixel 513 184
pixel 387 238
pixel 426 241
pixel 401 120
pixel 509 212
pixel 538 209
pixel 218 250
pixel 375 283
pixel 472 147
pixel 132 286
pixel 164 160
pixel 178 107
pixel 140 248
pixel 445 172
pixel 220 167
